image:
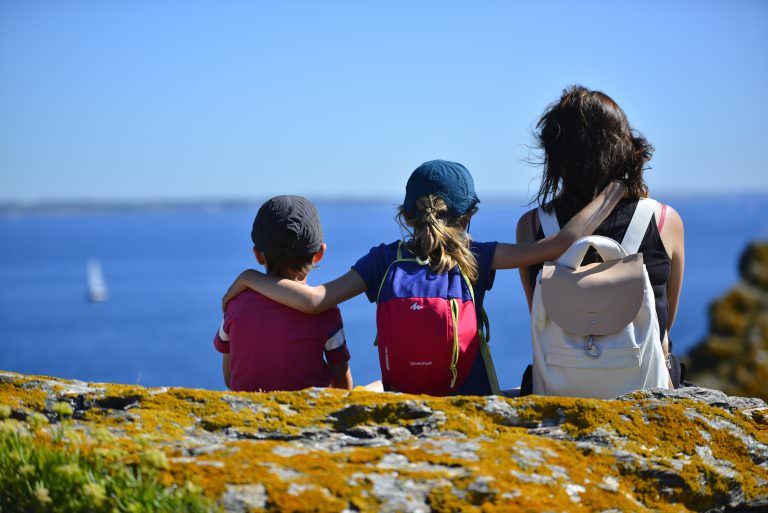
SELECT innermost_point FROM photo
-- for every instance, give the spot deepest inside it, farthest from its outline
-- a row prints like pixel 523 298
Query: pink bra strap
pixel 663 216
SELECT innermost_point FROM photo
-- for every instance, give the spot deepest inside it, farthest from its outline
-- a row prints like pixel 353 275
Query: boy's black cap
pixel 287 226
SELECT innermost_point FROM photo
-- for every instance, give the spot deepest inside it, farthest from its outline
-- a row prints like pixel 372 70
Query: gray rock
pixel 401 495
pixel 284 473
pixel 401 463
pixel 383 435
pixel 533 478
pixel 574 491
pixel 458 449
pixel 239 403
pixel 366 432
pixel 502 412
pixel 757 450
pixel 554 433
pixel 396 433
pixel 355 414
pixel 480 490
pixel 699 394
pixel 244 498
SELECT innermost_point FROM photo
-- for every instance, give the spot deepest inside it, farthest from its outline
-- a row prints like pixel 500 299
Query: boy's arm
pixel 300 296
pixel 221 343
pixel 336 351
pixel 342 376
pixel 225 361
pixel 508 256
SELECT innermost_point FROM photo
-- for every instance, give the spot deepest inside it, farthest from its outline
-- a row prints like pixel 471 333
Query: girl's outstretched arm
pixel 300 296
pixel 508 256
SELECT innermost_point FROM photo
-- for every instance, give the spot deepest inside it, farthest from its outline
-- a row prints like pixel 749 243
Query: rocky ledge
pixel 325 450
pixel 734 355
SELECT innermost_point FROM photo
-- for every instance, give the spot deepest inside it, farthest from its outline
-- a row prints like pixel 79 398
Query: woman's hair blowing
pixel 439 237
pixel 587 142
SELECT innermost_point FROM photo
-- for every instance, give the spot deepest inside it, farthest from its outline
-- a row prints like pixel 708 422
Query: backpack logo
pixel 416 307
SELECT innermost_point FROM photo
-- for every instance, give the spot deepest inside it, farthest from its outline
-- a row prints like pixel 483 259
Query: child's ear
pixel 259 256
pixel 319 255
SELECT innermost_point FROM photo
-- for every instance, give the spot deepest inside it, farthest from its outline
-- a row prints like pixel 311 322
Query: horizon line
pixel 215 199
pixel 70 205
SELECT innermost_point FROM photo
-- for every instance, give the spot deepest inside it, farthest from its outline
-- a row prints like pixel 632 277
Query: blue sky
pixel 180 100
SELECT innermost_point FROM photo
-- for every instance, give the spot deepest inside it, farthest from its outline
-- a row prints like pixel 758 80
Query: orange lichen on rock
pixel 329 450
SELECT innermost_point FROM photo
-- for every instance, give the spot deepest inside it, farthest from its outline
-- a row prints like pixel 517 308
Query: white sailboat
pixel 97 289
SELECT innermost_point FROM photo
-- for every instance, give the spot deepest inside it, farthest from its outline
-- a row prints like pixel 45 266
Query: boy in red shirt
pixel 267 346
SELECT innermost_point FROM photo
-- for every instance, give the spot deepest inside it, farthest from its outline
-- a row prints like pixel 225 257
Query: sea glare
pixel 166 271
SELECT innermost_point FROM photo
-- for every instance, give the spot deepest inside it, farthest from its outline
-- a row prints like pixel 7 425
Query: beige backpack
pixel 594 327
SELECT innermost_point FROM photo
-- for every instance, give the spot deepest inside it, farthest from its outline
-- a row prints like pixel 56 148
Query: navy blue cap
pixel 447 180
pixel 287 226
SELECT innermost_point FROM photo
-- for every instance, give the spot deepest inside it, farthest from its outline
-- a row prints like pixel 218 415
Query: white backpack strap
pixel 638 225
pixel 548 222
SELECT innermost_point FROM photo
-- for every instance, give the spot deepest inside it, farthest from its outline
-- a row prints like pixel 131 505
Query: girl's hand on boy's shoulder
pixel 238 286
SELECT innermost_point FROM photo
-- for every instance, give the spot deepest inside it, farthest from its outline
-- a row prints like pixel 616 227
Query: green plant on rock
pixel 37 476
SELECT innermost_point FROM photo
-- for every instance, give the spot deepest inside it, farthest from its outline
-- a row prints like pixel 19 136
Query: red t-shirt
pixel 274 347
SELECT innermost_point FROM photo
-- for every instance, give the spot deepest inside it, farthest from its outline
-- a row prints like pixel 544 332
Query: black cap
pixel 287 226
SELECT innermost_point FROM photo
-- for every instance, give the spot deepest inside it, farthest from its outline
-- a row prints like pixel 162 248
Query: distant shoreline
pixel 85 207
pixel 115 206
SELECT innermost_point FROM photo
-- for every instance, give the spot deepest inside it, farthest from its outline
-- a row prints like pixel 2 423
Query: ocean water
pixel 167 270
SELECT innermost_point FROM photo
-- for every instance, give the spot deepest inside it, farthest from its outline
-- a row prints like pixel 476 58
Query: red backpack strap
pixel 662 217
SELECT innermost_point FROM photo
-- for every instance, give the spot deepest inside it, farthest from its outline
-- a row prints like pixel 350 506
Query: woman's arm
pixel 673 238
pixel 526 233
pixel 302 297
pixel 508 256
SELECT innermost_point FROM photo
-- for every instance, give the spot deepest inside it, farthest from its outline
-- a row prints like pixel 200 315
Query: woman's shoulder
pixel 670 228
pixel 673 217
pixel 529 217
pixel 528 226
pixel 666 215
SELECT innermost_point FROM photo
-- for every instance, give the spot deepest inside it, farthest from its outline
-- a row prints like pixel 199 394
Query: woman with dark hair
pixel 586 142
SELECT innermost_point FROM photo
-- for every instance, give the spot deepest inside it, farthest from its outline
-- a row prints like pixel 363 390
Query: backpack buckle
pixel 592 350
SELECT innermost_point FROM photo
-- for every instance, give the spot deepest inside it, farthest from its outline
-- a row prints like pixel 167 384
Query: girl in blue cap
pixel 430 288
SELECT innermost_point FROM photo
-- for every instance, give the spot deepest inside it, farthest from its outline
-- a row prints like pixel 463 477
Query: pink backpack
pixel 428 335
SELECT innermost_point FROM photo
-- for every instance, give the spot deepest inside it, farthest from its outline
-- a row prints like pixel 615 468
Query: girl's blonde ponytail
pixel 443 240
